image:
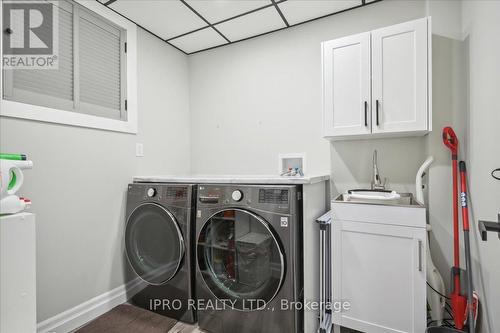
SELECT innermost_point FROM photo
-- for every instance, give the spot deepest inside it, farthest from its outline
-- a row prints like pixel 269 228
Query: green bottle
pixel 16 157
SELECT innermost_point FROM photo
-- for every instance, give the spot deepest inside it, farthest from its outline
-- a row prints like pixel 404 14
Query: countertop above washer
pixel 232 179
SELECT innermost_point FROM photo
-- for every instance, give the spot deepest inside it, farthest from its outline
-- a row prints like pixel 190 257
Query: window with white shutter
pixel 48 87
pixel 91 78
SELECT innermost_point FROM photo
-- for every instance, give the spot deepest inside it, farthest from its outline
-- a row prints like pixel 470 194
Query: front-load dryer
pixel 158 240
pixel 249 259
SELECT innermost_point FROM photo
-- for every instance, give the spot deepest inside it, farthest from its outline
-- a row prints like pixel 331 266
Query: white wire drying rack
pixel 325 273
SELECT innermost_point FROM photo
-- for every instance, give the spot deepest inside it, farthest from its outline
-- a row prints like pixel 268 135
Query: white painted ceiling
pixel 197 25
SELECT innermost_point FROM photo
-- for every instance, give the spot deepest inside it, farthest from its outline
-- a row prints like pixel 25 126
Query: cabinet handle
pixel 377 103
pixel 366 114
pixel 419 255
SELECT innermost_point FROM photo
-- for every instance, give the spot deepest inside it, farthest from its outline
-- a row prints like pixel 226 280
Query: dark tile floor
pixel 127 318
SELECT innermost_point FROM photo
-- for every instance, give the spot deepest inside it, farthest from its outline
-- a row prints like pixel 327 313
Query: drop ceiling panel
pixel 192 25
pixel 164 18
pixel 217 10
pixel 297 11
pixel 253 24
pixel 199 40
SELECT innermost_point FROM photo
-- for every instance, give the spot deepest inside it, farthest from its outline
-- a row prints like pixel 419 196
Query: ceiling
pixel 198 25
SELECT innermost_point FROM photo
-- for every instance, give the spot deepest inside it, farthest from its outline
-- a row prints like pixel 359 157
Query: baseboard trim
pixel 81 314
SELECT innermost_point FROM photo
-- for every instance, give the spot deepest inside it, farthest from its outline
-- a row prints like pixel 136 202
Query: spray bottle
pixel 11 180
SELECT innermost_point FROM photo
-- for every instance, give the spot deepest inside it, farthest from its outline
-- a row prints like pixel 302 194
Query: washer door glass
pixel 240 259
pixel 153 243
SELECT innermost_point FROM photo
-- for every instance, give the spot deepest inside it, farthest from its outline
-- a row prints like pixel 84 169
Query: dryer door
pixel 153 243
pixel 240 259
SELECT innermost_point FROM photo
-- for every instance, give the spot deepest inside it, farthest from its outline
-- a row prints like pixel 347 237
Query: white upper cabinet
pixel 399 77
pixel 346 65
pixel 377 84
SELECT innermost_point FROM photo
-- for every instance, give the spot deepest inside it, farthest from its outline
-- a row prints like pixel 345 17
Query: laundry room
pixel 251 166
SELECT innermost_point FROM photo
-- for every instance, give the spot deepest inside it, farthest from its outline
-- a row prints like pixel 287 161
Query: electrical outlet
pixel 139 150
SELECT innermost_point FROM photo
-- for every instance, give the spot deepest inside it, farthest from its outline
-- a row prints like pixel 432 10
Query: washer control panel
pixel 274 198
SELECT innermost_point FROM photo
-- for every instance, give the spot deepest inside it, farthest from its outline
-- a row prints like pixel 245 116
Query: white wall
pixel 449 104
pixel 481 21
pixel 80 175
pixel 464 79
pixel 447 18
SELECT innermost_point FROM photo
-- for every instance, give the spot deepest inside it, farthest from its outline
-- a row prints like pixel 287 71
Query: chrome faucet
pixel 376 182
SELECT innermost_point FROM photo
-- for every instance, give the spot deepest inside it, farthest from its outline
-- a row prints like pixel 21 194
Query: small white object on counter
pixel 236 179
pixel 12 204
pixel 17 273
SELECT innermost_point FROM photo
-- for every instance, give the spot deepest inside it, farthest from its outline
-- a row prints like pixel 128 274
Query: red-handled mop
pixel 471 298
pixel 458 301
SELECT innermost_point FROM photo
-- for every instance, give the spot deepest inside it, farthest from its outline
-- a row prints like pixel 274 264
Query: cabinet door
pixel 346 86
pixel 400 77
pixel 380 270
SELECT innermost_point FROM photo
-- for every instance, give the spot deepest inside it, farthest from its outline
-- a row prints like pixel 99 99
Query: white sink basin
pixel 381 197
pixel 373 195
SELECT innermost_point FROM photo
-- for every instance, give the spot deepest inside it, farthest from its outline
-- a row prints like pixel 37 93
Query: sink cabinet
pixel 378 83
pixel 379 266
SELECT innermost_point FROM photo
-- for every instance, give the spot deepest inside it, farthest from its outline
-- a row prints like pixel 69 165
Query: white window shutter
pixel 48 87
pixel 100 67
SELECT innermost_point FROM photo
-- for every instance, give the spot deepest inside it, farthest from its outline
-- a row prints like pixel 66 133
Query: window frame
pixel 84 118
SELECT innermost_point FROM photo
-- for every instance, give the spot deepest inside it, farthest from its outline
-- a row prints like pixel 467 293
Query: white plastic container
pixel 9 169
pixel 13 204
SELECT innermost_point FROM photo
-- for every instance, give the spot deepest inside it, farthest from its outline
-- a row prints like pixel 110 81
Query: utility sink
pixel 379 197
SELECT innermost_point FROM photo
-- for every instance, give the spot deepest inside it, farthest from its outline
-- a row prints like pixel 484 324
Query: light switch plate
pixel 139 150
